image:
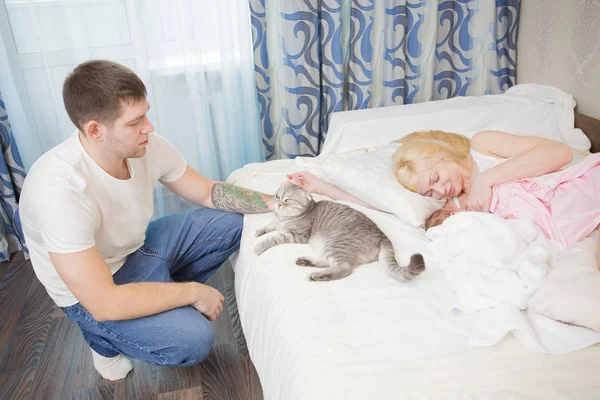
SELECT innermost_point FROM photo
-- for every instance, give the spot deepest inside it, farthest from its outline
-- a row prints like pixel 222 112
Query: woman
pixel 449 166
pixel 444 165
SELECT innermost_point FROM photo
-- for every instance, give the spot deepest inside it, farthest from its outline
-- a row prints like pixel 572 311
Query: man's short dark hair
pixel 95 90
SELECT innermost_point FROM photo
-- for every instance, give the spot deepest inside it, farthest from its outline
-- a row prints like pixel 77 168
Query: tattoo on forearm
pixel 228 197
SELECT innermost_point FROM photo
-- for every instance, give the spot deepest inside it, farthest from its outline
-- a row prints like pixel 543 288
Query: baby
pixel 437 218
pixel 451 207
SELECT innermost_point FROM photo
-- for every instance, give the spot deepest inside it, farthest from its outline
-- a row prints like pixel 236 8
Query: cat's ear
pixel 283 184
pixel 306 194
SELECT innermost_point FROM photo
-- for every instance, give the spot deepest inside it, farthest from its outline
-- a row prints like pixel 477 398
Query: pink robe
pixel 564 204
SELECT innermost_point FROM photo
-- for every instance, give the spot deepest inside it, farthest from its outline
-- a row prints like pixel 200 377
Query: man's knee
pixel 231 220
pixel 224 224
pixel 191 344
pixel 235 224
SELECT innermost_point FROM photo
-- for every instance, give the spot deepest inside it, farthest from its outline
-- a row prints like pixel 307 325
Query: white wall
pixel 559 45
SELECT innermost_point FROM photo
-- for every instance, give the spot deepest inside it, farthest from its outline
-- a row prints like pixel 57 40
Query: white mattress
pixel 369 337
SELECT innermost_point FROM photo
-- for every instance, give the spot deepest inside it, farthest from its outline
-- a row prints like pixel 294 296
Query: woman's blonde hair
pixel 421 150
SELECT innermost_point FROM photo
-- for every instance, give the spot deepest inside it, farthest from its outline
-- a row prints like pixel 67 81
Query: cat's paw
pixel 259 249
pixel 304 262
pixel 260 232
pixel 319 277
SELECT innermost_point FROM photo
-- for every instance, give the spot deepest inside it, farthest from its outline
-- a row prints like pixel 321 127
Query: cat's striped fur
pixel 347 237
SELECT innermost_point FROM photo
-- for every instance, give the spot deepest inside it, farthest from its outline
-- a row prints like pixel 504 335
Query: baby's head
pixel 437 218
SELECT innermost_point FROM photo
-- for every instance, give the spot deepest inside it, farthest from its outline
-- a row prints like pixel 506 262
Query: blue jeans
pixel 182 247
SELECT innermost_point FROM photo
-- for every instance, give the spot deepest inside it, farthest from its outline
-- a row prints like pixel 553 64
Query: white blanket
pixel 490 260
pixel 495 267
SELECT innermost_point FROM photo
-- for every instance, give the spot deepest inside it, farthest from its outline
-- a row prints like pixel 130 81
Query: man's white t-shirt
pixel 70 204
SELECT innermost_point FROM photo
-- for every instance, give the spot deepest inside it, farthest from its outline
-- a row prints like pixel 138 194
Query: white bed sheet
pixel 369 337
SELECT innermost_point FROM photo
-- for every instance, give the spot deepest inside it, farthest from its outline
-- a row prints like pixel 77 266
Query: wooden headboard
pixel 591 127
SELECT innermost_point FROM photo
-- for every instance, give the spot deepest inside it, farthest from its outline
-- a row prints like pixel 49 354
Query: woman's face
pixel 442 181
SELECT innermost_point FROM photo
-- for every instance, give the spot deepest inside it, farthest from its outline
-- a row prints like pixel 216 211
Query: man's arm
pixel 228 197
pixel 88 277
pixel 203 191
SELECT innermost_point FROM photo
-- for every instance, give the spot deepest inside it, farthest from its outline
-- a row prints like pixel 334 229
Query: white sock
pixel 112 368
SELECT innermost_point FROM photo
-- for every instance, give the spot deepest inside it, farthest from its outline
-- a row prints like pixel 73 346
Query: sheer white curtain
pixel 195 57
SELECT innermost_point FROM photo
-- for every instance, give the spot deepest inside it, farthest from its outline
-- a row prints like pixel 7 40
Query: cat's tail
pixel 414 268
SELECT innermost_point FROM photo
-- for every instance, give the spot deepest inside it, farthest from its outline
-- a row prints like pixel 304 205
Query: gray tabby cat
pixel 346 236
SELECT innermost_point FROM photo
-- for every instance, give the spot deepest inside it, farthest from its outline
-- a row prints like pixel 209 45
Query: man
pixel 133 287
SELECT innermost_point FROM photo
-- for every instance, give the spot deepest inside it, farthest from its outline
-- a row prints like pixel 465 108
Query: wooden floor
pixel 44 356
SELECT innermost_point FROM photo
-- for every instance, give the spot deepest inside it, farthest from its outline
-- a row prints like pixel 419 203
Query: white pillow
pixel 516 113
pixel 369 177
pixel 571 293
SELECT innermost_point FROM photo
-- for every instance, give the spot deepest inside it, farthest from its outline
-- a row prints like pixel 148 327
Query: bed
pixel 369 337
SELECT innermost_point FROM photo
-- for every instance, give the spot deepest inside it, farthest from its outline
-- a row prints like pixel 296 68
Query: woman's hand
pixel 307 181
pixel 480 194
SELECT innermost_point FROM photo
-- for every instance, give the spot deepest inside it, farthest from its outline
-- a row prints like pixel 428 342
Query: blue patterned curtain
pixel 316 57
pixel 12 174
